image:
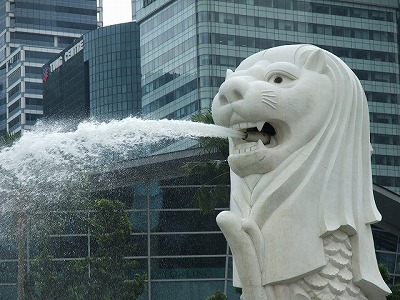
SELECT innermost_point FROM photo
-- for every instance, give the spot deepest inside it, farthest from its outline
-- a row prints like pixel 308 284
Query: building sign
pixel 45 74
pixel 56 64
pixel 71 52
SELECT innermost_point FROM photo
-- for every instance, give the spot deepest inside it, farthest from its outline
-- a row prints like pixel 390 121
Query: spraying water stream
pixel 49 159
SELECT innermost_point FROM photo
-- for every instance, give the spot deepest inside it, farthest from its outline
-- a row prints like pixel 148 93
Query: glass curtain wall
pixel 181 250
pixel 186 40
pixel 112 56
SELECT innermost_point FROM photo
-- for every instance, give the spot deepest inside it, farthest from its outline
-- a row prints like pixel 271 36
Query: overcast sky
pixel 116 11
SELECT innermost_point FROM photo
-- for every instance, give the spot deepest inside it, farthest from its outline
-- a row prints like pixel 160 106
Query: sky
pixel 116 11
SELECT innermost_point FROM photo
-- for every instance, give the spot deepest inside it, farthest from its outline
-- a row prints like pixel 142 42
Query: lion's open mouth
pixel 257 135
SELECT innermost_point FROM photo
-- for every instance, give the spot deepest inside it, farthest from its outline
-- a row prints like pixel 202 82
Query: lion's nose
pixel 232 90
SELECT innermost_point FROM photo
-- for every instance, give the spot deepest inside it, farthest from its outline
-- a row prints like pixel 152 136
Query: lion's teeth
pixel 242 146
pixel 231 145
pixel 260 144
pixel 260 125
pixel 246 147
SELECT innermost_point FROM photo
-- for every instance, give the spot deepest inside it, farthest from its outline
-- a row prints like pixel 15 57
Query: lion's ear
pixel 316 61
pixel 228 72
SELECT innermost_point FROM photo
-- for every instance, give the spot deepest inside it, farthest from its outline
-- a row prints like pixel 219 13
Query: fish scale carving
pixel 335 280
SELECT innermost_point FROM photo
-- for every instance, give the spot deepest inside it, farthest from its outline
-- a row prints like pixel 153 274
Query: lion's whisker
pixel 267 95
pixel 266 101
pixel 268 92
pixel 270 100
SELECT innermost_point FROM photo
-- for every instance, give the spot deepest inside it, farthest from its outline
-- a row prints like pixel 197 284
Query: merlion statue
pixel 302 206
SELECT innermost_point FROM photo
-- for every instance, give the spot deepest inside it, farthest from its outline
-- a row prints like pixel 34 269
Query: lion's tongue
pixel 255 136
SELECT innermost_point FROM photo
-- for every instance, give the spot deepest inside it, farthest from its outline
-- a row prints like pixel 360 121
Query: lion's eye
pixel 279 78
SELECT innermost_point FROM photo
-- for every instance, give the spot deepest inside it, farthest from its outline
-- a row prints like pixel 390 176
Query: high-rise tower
pixel 31 32
pixel 187 45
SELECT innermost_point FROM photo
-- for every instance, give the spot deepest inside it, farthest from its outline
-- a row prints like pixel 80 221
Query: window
pixel 320 8
pixel 283 4
pixel 14 121
pixel 264 3
pixel 339 11
pixel 204 38
pixel 359 13
pixel 147 2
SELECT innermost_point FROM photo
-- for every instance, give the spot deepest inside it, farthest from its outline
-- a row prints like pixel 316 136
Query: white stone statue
pixel 302 206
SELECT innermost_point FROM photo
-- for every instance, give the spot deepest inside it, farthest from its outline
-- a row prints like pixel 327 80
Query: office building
pixel 65 86
pixel 113 58
pixel 98 76
pixel 182 251
pixel 31 32
pixel 187 45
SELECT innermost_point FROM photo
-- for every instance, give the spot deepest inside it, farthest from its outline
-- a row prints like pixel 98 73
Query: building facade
pixel 112 54
pixel 65 84
pixel 187 46
pixel 31 32
pixel 181 249
pixel 97 76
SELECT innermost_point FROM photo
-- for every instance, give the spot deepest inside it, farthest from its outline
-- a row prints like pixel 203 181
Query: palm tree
pixel 214 172
pixel 210 144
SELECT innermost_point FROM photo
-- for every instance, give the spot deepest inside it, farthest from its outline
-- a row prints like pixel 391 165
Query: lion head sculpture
pixel 303 170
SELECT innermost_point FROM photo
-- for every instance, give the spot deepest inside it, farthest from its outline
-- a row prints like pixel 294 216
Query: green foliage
pixel 208 198
pixel 105 275
pixel 50 280
pixel 217 296
pixel 383 269
pixel 205 118
pixel 395 293
pixel 111 228
pixel 209 144
pixel 9 139
pixel 386 277
pixel 209 172
pixel 213 175
pixel 43 281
